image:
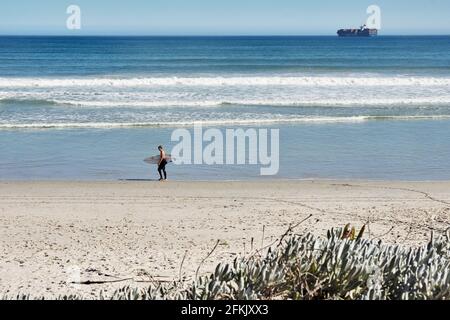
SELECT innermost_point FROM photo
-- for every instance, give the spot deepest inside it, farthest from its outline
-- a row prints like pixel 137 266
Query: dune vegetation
pixel 341 266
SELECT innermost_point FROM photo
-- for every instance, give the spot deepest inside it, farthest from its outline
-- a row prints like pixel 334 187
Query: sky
pixel 221 17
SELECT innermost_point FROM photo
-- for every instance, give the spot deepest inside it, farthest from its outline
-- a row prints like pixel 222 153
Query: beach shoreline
pixel 140 230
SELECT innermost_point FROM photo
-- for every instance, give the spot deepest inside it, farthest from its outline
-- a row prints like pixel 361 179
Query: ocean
pixel 92 108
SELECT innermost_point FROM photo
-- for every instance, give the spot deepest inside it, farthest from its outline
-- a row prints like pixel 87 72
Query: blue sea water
pixel 94 107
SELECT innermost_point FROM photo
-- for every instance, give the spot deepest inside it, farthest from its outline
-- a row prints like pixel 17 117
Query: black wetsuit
pixel 162 167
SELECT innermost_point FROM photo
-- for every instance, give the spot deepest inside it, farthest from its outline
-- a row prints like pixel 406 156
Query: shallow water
pixel 404 150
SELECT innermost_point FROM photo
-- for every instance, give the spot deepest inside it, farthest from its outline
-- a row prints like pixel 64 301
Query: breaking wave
pixel 360 81
pixel 351 119
pixel 380 102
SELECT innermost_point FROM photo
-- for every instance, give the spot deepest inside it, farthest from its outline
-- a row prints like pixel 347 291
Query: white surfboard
pixel 155 159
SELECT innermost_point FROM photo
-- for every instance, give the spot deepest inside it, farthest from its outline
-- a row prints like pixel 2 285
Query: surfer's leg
pixel 163 167
pixel 160 173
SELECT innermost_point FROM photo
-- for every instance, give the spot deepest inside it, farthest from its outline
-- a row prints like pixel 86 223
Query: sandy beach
pixel 132 232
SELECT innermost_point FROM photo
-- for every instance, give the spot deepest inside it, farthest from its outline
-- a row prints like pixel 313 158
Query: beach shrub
pixel 340 266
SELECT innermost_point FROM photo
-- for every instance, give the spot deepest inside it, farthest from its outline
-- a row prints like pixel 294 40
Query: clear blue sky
pixel 221 17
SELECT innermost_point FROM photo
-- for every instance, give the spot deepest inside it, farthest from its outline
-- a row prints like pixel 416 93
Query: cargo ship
pixel 363 31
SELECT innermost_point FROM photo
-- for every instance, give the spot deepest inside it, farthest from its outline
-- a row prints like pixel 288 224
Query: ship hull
pixel 357 33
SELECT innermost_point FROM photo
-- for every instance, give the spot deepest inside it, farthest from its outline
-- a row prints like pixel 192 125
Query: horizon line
pixel 206 35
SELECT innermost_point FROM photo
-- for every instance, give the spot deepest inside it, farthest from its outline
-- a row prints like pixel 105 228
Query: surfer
pixel 162 164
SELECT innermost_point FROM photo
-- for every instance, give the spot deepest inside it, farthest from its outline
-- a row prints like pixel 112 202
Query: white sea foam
pixel 352 119
pixel 296 102
pixel 51 103
pixel 251 102
pixel 218 91
pixel 369 81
